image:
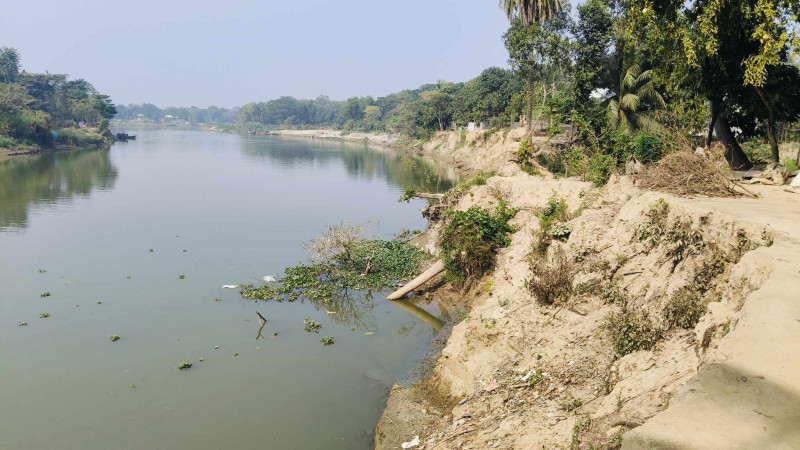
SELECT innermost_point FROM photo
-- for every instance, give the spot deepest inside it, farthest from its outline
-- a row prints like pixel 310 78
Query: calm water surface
pixel 217 209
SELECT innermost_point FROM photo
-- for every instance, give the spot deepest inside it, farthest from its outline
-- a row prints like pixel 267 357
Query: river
pixel 136 241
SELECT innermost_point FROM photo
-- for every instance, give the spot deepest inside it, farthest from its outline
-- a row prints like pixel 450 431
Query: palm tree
pixel 634 104
pixel 530 11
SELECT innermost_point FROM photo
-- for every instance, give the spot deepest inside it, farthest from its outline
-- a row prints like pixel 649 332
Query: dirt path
pixel 748 394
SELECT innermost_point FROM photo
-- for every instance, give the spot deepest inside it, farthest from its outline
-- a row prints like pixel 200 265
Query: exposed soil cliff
pixel 681 328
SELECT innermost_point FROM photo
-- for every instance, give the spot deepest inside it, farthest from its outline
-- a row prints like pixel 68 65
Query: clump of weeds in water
pixel 343 259
pixel 472 238
pixel 44 315
pixel 45 294
pixel 41 271
pixel 311 326
pixel 23 324
pixel 114 338
pixel 326 341
pixel 151 250
pixel 181 277
pixel 185 366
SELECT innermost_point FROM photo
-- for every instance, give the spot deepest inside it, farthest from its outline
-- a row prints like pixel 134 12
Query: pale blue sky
pixel 227 53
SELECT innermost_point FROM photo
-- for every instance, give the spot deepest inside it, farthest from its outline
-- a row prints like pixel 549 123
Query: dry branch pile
pixel 685 173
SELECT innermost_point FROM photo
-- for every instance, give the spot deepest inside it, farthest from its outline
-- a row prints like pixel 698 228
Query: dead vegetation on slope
pixel 685 173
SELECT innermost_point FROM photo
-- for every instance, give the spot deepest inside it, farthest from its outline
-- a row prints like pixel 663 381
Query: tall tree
pixel 726 44
pixel 634 103
pixel 528 13
pixel 9 64
pixel 592 40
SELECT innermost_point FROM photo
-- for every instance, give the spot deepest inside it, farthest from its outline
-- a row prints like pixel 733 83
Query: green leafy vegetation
pixel 185 366
pixel 631 329
pixel 344 260
pixel 408 194
pixel 44 315
pixel 684 309
pixel 114 338
pixel 327 340
pixel 471 239
pixel 311 326
pixel 45 294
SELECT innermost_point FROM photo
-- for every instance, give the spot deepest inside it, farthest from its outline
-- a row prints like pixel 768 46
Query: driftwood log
pixel 432 271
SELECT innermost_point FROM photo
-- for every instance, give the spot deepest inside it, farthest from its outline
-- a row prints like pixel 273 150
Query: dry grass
pixel 551 283
pixel 685 173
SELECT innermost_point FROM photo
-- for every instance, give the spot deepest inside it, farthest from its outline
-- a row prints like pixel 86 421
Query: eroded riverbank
pixel 519 374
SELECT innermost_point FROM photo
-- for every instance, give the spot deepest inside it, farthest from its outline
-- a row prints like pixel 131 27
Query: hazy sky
pixel 227 53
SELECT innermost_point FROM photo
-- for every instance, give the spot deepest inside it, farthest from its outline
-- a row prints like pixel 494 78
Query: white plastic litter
pixel 269 278
pixel 528 375
pixel 229 286
pixel 412 443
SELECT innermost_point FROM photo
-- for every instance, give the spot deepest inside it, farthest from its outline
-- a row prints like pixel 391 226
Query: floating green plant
pixel 45 294
pixel 23 324
pixel 312 326
pixel 327 340
pixel 151 250
pixel 41 271
pixel 185 366
pixel 114 338
pixel 44 315
pixel 182 277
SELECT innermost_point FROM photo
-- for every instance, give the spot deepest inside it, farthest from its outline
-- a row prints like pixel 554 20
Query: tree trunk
pixel 733 152
pixel 529 106
pixel 432 271
pixel 773 140
pixel 715 107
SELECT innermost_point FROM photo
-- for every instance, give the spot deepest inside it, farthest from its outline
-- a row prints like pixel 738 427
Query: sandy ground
pixel 729 382
pixel 379 139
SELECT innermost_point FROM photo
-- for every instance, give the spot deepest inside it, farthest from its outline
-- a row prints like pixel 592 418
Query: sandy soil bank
pixel 518 374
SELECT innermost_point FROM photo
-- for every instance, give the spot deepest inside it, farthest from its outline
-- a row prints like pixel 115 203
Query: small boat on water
pixel 125 136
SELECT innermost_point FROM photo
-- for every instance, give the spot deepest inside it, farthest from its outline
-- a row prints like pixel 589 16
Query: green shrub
pixel 600 168
pixel 684 309
pixel 556 210
pixel 553 162
pixel 790 163
pixel 409 192
pixel 575 163
pixel 647 147
pixel 524 153
pixel 7 142
pixel 631 330
pixel 757 152
pixel 471 239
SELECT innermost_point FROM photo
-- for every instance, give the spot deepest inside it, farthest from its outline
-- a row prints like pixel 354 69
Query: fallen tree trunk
pixel 432 271
pixel 430 196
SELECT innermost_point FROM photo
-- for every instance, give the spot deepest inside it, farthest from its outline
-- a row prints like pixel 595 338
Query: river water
pixel 215 209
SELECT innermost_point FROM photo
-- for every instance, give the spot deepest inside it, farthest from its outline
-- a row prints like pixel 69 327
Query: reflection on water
pixel 48 179
pixel 360 161
pixel 219 209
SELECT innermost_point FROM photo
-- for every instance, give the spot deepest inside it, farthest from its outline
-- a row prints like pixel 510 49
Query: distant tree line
pixel 192 114
pixel 32 104
pixel 495 97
